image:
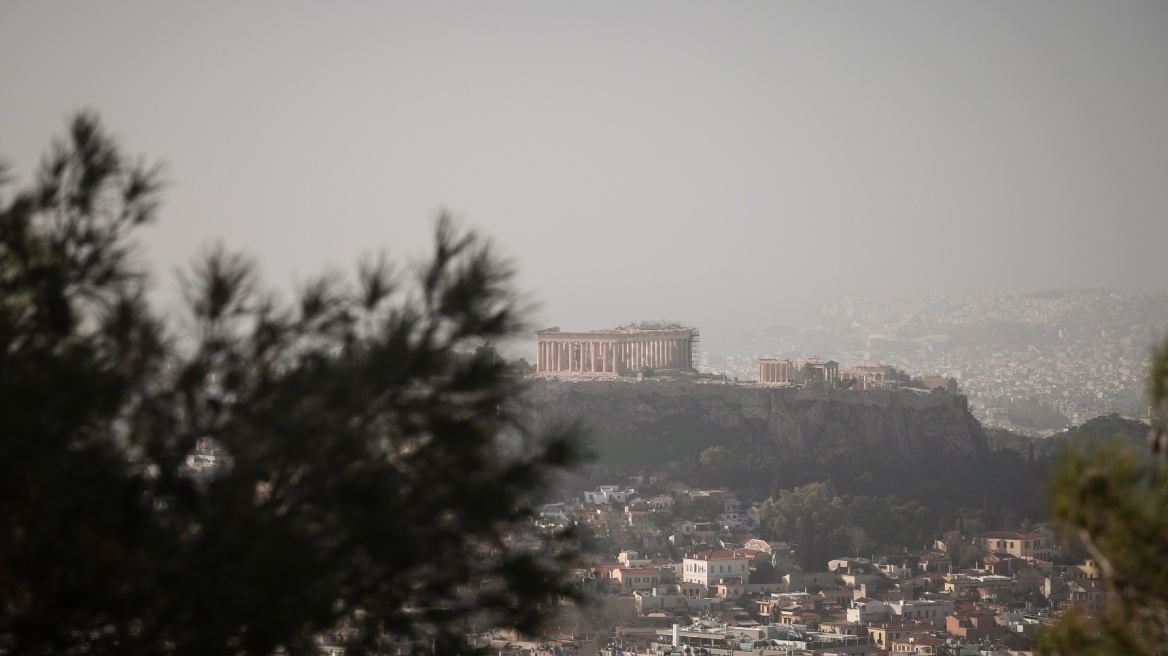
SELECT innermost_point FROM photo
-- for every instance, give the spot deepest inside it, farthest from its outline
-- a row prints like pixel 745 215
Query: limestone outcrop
pixel 645 421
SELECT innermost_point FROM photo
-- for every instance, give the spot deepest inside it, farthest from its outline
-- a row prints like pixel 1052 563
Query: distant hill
pixel 1084 436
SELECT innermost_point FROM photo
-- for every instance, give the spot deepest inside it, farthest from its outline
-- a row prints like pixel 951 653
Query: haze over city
pixel 727 166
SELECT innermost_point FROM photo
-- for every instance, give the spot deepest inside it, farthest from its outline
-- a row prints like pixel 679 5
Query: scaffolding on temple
pixel 695 354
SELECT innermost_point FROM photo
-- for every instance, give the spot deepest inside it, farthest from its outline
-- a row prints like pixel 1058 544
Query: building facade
pixel 1031 544
pixel 710 567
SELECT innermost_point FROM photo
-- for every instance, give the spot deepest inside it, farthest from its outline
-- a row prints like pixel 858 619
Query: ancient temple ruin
pixel 637 347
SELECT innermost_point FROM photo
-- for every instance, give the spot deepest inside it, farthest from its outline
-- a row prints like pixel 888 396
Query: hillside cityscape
pixel 1029 362
pixel 655 328
pixel 870 482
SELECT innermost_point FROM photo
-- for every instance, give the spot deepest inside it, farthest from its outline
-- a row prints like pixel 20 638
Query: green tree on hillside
pixel 1115 499
pixel 368 472
pixel 718 464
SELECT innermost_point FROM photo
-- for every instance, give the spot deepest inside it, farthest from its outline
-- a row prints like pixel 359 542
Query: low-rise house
pixel 983 585
pixel 895 570
pixel 730 521
pixel 800 581
pixel 710 567
pixel 765 588
pixel 1087 594
pixel 883 634
pixel 843 628
pixel 704 533
pixel 866 610
pixel 1028 580
pixel 753 518
pixel 923 645
pixel 781 556
pixel 935 561
pixel 837 595
pixel 606 494
pixel 660 618
pixel 670 569
pixel 934 611
pixel 554 514
pixel 1054 588
pixel 1019 624
pixel 1002 564
pixel 638 517
pixel 1029 544
pixel 857 578
pixel 729 588
pixel 639 578
pixel 973 626
pixel 665 597
pixel 846 564
pixel 961 548
pixel 663 502
pixel 1088 570
pixel 1043 566
pixel 630 558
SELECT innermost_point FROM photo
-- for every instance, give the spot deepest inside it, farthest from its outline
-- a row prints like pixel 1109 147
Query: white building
pixel 924 610
pixel 710 567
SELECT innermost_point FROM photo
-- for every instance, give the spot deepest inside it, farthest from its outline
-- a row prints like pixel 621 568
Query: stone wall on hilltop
pixel 646 421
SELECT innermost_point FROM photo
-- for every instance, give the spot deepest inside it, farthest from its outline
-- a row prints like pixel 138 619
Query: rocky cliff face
pixel 643 422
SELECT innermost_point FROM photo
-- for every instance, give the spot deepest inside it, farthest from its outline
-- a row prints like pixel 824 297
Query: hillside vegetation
pixel 851 472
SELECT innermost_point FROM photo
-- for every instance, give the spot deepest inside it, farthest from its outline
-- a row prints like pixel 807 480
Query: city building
pixel 710 567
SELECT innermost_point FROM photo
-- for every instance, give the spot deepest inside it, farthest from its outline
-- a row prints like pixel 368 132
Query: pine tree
pixel 1115 500
pixel 369 471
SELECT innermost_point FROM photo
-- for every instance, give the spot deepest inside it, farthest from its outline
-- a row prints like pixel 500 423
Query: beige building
pixel 1033 544
pixel 637 578
pixel 885 633
pixel 614 351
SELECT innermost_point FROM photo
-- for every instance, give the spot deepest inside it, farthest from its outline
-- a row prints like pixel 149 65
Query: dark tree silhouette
pixel 366 476
pixel 1114 498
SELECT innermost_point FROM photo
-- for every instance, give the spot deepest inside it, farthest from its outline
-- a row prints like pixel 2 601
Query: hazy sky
pixel 724 164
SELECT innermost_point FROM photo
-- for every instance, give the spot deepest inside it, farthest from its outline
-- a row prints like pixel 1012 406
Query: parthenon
pixel 615 351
